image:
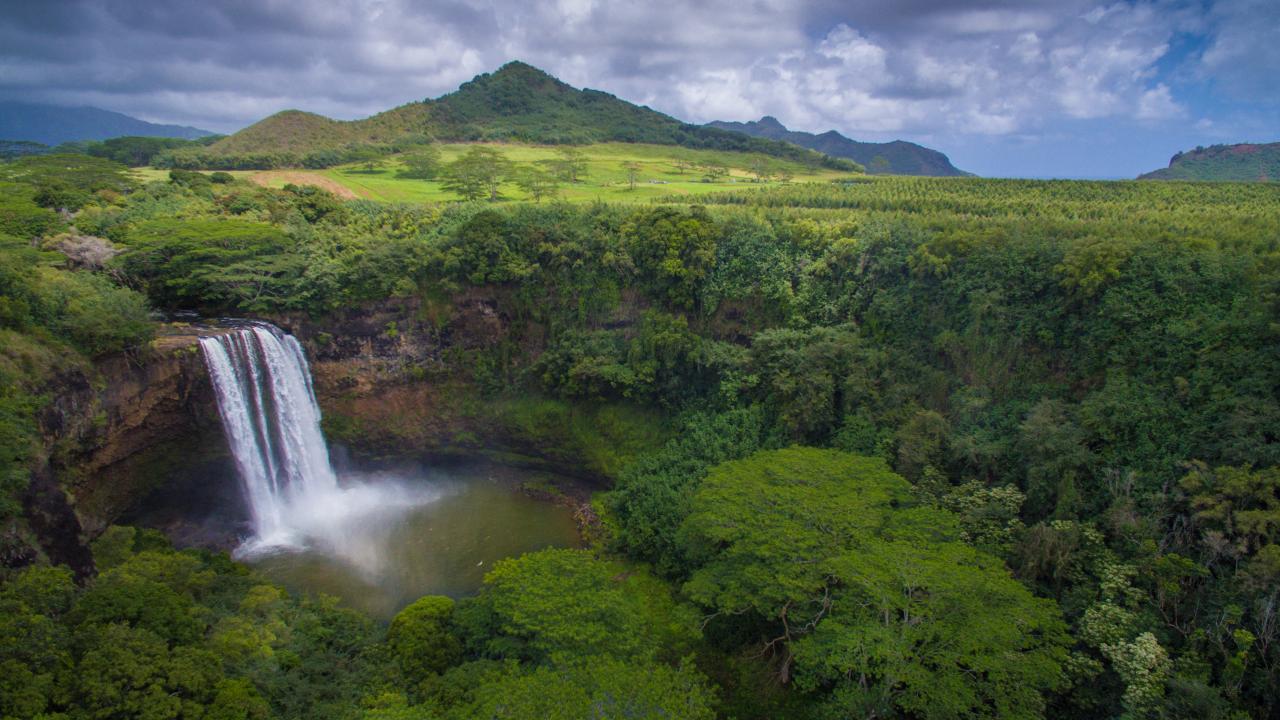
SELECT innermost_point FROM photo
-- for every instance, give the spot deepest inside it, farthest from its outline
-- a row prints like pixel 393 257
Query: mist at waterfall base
pixel 378 540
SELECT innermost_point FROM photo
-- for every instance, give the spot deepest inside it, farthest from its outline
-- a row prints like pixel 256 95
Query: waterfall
pixel 271 421
pixel 272 424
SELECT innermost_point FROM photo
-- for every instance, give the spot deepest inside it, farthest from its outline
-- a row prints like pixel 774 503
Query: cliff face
pixel 112 435
pixel 397 379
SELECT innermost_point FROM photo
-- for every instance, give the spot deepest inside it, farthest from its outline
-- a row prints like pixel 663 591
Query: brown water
pixel 463 520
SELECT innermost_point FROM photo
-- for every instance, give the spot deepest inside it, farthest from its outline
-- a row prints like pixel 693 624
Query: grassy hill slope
pixel 288 131
pixel 518 103
pixel 892 158
pixel 1244 162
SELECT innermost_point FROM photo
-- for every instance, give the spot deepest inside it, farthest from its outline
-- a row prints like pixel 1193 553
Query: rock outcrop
pixel 113 433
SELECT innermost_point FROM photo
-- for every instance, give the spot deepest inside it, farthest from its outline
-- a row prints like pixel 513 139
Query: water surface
pixel 464 518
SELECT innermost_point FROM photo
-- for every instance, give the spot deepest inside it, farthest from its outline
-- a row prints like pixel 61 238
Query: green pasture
pixel 606 177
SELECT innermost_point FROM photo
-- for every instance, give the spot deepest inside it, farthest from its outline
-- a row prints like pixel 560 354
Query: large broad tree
pixel 536 182
pixel 866 601
pixel 421 164
pixel 477 174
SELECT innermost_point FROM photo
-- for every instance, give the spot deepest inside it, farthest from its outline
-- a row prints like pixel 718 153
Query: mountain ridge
pixel 1243 162
pixel 516 103
pixel 57 124
pixel 898 157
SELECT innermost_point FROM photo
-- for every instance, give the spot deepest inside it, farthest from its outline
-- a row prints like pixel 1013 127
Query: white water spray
pixel 272 423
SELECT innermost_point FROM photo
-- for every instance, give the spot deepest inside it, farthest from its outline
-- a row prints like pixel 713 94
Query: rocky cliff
pixel 145 420
pixel 113 433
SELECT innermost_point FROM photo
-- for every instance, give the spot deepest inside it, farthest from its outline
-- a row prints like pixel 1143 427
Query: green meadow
pixel 659 173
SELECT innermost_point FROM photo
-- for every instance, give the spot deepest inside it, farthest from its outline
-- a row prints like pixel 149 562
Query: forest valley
pixel 907 447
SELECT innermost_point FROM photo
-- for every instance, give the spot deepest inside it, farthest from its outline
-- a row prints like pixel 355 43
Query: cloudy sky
pixel 1062 88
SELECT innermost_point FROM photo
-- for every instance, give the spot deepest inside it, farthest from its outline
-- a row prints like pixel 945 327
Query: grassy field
pixel 605 178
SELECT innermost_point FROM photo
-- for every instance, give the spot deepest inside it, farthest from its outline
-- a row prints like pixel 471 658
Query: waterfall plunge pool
pixel 443 527
pixel 457 522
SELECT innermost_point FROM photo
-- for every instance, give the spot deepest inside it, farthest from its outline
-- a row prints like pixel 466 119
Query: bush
pixel 420 639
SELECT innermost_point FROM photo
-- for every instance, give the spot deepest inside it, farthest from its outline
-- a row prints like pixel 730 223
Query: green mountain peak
pixel 516 103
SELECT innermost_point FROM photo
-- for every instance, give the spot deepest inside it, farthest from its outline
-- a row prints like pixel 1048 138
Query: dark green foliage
pixel 803 372
pixel 607 689
pixel 661 360
pixel 138 151
pixel 21 217
pixel 67 181
pixel 122 595
pixel 10 149
pixel 483 251
pixel 673 251
pixel 82 308
pixel 175 635
pixel 653 495
pixel 95 315
pixel 420 639
pixel 753 268
pixel 313 203
pixel 864 601
pixel 588 365
pixel 219 264
pixel 560 634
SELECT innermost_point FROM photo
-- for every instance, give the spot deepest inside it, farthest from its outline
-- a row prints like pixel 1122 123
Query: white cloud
pixel 985 72
pixel 860 58
pixel 863 67
pixel 1158 104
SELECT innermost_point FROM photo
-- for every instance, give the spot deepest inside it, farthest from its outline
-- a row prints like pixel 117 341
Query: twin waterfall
pixel 272 424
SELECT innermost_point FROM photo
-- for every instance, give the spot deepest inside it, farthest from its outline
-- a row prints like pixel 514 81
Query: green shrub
pixel 420 638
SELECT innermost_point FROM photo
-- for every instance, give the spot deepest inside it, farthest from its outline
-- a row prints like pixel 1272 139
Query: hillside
pixel 891 158
pixel 1243 162
pixel 289 131
pixel 518 103
pixel 53 125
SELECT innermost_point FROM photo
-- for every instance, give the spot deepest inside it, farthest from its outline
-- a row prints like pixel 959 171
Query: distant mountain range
pixel 892 158
pixel 54 125
pixel 1244 162
pixel 516 103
